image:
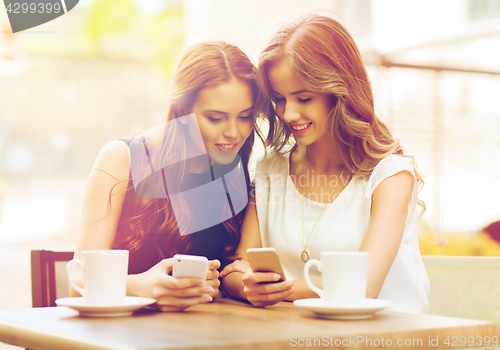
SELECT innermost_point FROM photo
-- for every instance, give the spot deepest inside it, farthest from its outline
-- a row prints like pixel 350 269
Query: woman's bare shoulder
pixel 114 159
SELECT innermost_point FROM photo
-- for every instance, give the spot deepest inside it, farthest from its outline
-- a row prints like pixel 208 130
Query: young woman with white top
pixel 343 185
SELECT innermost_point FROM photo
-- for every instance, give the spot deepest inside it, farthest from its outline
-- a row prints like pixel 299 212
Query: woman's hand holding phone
pixel 263 277
pixel 175 293
pixel 261 291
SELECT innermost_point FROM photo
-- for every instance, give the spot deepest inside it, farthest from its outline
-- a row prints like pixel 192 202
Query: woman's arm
pixel 240 282
pixel 385 231
pixel 103 199
pixel 231 275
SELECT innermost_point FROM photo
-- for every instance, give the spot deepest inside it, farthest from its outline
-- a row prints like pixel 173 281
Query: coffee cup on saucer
pixel 344 275
pixel 104 276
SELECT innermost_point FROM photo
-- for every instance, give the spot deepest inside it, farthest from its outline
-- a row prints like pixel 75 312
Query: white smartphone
pixel 190 266
pixel 265 260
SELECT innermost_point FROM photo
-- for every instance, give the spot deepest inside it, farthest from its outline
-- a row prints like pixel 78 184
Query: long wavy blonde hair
pixel 325 58
pixel 203 65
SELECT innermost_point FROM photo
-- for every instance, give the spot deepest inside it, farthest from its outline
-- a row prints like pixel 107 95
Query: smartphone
pixel 265 260
pixel 190 266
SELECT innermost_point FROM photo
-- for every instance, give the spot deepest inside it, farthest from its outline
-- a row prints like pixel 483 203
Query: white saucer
pixel 80 304
pixel 361 310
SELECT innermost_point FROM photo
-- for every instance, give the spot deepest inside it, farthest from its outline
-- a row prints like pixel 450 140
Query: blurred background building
pixel 100 72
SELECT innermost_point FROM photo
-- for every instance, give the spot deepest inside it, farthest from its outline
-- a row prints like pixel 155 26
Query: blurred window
pixel 356 14
pixel 483 9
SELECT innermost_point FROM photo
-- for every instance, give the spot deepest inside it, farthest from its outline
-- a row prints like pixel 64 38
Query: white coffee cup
pixel 344 275
pixel 104 276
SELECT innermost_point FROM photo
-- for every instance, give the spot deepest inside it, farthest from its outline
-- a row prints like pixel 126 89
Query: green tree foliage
pixel 109 17
pixel 164 31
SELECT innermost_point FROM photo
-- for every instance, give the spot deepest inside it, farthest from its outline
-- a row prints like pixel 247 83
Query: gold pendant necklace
pixel 305 253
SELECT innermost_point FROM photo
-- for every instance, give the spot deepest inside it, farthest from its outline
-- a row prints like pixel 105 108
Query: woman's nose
pixel 231 130
pixel 290 113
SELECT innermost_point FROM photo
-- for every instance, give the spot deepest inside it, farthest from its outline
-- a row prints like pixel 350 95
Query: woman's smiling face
pixel 304 111
pixel 225 118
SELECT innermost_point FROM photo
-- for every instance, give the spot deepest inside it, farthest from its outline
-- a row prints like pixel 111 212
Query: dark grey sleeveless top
pixel 209 242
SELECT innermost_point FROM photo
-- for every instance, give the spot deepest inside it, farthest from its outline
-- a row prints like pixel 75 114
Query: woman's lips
pixel 226 147
pixel 298 129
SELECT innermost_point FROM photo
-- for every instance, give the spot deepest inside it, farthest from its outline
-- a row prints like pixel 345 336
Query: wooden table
pixel 228 324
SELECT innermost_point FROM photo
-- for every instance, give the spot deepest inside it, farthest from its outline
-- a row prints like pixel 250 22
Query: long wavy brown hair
pixel 200 66
pixel 325 58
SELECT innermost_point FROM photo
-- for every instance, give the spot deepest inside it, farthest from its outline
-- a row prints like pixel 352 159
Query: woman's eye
pixel 278 100
pixel 214 120
pixel 304 100
pixel 246 117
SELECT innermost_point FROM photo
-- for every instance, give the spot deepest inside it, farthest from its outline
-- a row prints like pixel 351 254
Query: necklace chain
pixel 305 253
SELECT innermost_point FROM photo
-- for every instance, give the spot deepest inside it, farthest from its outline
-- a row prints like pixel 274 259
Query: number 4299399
pixel 40 7
pixel 471 341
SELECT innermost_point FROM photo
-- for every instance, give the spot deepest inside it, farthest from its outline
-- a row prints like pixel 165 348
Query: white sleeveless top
pixel 342 226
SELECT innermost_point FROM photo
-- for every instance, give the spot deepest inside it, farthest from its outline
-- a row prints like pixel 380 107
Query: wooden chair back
pixel 48 277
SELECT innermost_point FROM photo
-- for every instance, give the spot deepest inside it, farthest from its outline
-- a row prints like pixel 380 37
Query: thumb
pixel 166 265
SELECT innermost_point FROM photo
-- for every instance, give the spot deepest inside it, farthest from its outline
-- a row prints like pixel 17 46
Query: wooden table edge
pixel 32 338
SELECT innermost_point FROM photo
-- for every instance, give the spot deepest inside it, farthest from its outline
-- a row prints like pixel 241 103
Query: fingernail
pixel 291 290
pixel 208 290
pixel 199 282
pixel 277 276
pixel 290 284
pixel 208 298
